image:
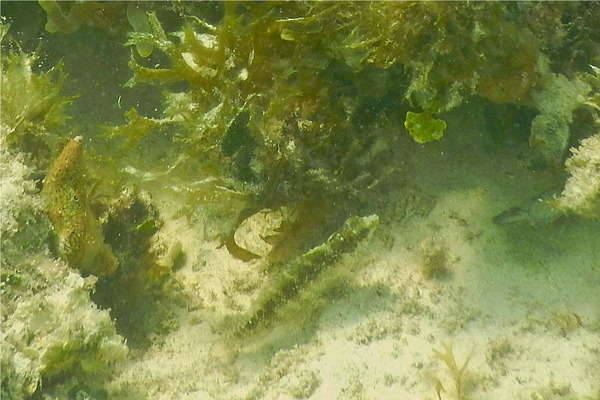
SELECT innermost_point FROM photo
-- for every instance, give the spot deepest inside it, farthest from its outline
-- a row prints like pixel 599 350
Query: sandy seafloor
pixel 520 303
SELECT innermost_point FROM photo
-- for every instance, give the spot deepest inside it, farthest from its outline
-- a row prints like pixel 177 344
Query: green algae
pixel 423 127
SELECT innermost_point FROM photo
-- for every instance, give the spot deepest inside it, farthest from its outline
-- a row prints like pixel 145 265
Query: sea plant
pixel 54 339
pixel 446 356
pixel 33 104
pixel 261 116
pixel 423 127
pixel 278 100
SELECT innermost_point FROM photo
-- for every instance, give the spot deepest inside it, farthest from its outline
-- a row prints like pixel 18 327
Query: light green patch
pixel 423 127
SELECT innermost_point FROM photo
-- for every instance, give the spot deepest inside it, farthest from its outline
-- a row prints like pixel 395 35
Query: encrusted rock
pixel 80 239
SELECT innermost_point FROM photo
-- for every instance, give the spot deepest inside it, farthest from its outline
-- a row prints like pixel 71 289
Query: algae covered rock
pixel 53 335
pixel 56 333
pixel 581 194
pixel 80 239
pixel 259 232
pixel 556 99
pixel 56 340
pixel 24 226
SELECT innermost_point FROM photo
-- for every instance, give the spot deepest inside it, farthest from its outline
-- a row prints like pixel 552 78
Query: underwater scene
pixel 300 200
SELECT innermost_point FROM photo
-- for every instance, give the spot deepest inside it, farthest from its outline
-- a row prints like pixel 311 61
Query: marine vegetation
pixel 270 119
pixel 457 372
pixel 423 128
pixel 59 249
pixel 581 194
pixel 298 108
pixel 32 105
pixel 53 334
pixel 293 104
pixel 297 114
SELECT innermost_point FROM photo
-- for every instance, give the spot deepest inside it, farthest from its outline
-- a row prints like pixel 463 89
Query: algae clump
pixel 423 127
